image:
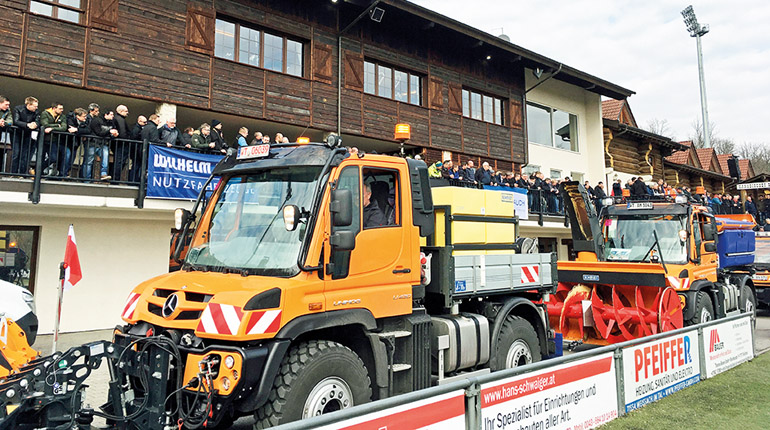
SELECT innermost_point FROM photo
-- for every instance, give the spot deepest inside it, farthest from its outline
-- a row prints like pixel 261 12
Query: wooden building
pixel 630 151
pixel 297 66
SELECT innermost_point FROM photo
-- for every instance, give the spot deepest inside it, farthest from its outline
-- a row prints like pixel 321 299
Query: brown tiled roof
pixel 723 162
pixel 745 166
pixel 704 156
pixel 680 157
pixel 611 109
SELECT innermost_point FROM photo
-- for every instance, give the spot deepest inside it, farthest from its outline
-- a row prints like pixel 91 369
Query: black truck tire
pixel 748 301
pixel 704 309
pixel 517 345
pixel 316 377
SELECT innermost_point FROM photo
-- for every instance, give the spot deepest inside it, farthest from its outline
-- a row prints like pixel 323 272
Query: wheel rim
pixel 705 315
pixel 749 306
pixel 329 395
pixel 519 354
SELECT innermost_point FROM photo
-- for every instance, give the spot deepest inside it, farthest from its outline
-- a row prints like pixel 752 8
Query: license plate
pixel 255 151
pixel 759 278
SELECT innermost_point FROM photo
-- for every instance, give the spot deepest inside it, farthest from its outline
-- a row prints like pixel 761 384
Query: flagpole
pixel 62 270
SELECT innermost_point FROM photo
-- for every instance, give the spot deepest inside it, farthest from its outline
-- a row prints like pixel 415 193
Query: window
pixel 66 10
pixel 576 176
pixel 383 201
pixel 555 174
pixel 392 83
pixel 551 127
pixel 18 255
pixel 258 48
pixel 482 107
pixel 530 169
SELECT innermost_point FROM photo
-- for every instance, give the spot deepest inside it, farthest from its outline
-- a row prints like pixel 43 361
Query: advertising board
pixel 727 345
pixel 572 396
pixel 656 369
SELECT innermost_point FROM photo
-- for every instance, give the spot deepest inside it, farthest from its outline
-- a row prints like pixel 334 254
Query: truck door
pixel 377 274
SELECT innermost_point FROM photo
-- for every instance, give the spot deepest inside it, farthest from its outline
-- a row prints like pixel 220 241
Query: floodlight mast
pixel 697 30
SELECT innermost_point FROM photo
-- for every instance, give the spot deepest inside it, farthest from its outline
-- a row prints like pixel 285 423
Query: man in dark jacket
pixel 122 148
pixel 202 139
pixel 103 128
pixel 27 119
pixel 218 138
pixel 6 119
pixel 599 195
pixel 136 130
pixel 373 216
pixel 185 139
pixel 150 131
pixel 169 134
pixel 751 208
pixel 484 174
pixel 638 188
pixel 53 125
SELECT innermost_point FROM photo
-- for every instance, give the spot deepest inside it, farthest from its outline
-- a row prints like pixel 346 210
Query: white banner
pixel 727 345
pixel 446 411
pixel 754 186
pixel 657 369
pixel 571 396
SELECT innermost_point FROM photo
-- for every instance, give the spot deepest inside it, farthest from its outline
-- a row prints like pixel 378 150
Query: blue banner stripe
pixel 667 391
pixel 177 174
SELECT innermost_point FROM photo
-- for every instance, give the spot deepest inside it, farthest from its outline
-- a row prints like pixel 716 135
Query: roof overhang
pixel 617 126
pixel 530 59
pixel 690 169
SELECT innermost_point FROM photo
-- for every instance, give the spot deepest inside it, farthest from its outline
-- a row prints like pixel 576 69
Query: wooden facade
pixel 163 51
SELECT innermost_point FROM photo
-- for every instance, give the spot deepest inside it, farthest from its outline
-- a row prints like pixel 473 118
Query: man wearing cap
pixel 217 137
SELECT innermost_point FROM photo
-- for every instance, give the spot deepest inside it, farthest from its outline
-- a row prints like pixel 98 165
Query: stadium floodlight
pixel 697 30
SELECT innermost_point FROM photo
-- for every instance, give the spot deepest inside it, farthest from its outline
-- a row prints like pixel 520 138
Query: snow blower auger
pixel 15 351
pixel 594 302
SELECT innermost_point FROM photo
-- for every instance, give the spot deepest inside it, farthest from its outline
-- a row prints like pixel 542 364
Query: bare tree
pixel 721 145
pixel 661 127
pixel 758 153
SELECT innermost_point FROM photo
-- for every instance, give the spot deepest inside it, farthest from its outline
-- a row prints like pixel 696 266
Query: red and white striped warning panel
pixel 681 284
pixel 446 411
pixel 220 319
pixel 264 322
pixel 530 274
pixel 128 310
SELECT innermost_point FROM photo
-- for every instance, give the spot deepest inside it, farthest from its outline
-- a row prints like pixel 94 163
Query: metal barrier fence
pixel 579 391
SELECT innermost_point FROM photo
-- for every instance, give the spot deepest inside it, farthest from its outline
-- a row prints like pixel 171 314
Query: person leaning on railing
pixel 104 128
pixel 201 139
pixel 27 119
pixel 54 145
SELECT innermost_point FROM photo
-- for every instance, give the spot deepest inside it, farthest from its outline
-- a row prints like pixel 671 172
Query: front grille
pixel 189 315
pixel 155 309
pixel 197 297
pixel 162 293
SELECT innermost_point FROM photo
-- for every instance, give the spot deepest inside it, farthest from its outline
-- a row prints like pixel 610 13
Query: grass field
pixel 736 399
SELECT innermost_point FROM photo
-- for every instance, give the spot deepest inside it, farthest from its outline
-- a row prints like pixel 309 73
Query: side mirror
pixel 291 216
pixel 709 232
pixel 181 217
pixel 710 247
pixel 343 241
pixel 341 208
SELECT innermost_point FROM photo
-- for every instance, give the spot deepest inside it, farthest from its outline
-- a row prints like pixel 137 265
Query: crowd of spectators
pixel 90 135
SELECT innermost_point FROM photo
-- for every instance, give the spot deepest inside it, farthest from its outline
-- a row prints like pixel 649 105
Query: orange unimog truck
pixel 315 282
pixel 645 267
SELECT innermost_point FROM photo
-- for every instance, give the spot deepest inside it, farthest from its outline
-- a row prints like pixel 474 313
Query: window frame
pixel 393 71
pixel 55 6
pixel 552 133
pixel 380 171
pixel 498 107
pixel 261 54
pixel 35 230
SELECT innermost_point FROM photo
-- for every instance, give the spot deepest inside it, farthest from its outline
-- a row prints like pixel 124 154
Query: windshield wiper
pixel 660 251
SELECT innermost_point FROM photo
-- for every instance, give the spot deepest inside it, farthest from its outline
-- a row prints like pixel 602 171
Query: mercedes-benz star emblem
pixel 170 306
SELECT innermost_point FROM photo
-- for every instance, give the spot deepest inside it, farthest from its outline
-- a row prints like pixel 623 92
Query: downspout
pixel 546 79
pixel 339 60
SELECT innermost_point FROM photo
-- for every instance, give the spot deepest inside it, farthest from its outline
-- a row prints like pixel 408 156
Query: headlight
pixel 229 361
pixel 29 299
pixel 608 201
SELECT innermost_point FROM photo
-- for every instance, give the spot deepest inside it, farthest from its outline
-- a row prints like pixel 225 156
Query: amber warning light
pixel 303 140
pixel 403 132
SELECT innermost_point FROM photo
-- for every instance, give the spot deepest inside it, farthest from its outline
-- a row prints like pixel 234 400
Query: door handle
pixel 402 271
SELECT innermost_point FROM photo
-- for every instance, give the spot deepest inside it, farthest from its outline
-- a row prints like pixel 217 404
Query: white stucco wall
pixel 587 106
pixel 118 249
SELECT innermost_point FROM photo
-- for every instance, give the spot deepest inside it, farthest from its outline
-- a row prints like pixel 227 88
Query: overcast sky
pixel 644 46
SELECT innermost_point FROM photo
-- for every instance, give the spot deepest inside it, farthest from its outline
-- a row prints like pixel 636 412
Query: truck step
pixel 396 334
pixel 398 367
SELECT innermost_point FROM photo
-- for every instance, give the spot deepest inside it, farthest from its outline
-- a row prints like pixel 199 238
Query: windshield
pixel 630 237
pixel 247 230
pixel 762 250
